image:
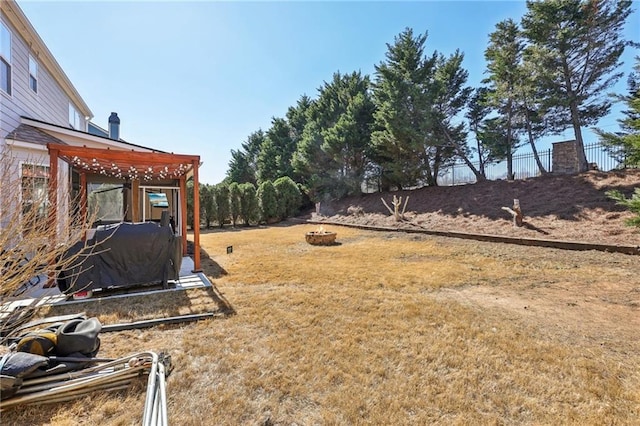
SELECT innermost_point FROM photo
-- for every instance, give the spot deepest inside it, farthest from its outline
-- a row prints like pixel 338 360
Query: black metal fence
pixel 525 165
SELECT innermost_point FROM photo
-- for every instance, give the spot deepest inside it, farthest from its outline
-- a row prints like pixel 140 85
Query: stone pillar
pixel 565 157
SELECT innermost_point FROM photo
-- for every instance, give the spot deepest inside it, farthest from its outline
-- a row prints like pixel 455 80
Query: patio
pixel 39 296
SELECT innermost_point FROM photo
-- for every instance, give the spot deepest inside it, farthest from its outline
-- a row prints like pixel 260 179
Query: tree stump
pixel 516 212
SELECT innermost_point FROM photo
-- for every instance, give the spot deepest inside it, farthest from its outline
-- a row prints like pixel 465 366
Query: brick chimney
pixel 114 126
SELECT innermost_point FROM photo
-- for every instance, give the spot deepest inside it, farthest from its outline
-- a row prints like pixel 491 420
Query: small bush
pixel 632 203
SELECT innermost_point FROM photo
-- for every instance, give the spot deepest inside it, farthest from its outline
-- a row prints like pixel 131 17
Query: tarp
pixel 125 255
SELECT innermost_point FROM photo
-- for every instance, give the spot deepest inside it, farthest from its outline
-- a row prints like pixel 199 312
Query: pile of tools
pixel 59 363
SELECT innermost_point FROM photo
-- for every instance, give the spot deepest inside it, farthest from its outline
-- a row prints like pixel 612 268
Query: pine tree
pixel 577 46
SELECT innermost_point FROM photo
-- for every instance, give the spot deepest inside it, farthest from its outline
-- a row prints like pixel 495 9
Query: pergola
pixel 135 166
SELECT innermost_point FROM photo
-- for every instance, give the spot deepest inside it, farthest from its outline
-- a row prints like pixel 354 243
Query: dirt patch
pixel 556 207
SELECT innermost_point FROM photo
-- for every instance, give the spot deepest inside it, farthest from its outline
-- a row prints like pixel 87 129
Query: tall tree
pixel 249 209
pixel 274 160
pixel 448 96
pixel 333 151
pixel 488 142
pixel 401 97
pixel 578 44
pixel 504 57
pixel 625 144
pixel 243 166
pixel 297 118
pixel 234 202
pixel 221 196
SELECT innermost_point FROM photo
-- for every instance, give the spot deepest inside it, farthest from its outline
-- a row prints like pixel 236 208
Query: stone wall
pixel 565 157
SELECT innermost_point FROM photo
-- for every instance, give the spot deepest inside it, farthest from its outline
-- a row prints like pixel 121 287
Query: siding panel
pixel 50 104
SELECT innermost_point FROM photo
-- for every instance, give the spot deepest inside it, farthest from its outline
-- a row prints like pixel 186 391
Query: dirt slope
pixel 556 207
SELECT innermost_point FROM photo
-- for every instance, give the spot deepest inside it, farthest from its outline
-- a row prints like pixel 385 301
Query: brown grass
pixel 390 328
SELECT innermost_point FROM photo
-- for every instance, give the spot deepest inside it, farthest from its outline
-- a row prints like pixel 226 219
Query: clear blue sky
pixel 199 77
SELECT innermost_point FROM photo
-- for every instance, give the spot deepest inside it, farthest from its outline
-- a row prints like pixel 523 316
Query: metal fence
pixel 524 166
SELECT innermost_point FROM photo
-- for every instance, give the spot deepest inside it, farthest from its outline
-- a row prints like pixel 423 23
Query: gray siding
pixel 50 104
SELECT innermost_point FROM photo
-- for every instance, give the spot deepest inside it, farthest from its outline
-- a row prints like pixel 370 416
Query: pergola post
pixel 135 200
pixel 183 213
pixel 196 217
pixel 53 196
pixel 83 199
pixel 53 213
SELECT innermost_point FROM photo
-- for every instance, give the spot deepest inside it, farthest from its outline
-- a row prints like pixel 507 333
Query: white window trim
pixel 78 125
pixel 8 60
pixel 22 163
pixel 35 77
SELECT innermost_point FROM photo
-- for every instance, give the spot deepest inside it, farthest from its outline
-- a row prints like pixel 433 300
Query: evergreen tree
pixel 243 166
pixel 448 97
pixel 221 196
pixel 488 143
pixel 402 116
pixel 274 160
pixel 267 201
pixel 625 144
pixel 249 209
pixel 234 202
pixel 208 208
pixel 577 46
pixel 504 58
pixel 333 150
pixel 289 197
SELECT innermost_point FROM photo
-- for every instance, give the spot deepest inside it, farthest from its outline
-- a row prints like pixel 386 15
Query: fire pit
pixel 321 237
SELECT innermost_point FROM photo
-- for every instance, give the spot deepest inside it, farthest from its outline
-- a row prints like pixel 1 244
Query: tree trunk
pixel 479 176
pixel 515 211
pixel 543 171
pixel 583 166
pixel 510 175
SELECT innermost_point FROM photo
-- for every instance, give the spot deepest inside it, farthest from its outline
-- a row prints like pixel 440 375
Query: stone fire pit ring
pixel 321 238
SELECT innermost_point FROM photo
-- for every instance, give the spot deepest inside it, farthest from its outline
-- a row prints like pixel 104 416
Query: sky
pixel 199 77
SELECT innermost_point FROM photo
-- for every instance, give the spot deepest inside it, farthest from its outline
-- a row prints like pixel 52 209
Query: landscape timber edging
pixel 559 244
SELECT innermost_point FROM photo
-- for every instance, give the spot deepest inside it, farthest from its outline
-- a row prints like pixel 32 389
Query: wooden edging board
pixel 565 245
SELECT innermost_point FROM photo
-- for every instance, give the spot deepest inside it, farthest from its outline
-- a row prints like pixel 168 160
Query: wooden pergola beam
pixel 138 157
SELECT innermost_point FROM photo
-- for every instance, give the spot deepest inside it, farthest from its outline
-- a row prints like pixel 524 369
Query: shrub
pixel 632 203
pixel 249 210
pixel 222 203
pixel 289 196
pixel 207 204
pixel 268 201
pixel 234 201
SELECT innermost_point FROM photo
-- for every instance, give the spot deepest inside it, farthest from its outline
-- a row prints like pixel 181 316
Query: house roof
pixel 27 133
pixel 80 133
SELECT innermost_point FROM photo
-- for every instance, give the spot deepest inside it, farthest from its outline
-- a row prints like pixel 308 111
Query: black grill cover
pixel 125 255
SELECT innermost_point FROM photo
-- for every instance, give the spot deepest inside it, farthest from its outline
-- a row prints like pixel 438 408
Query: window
pixel 5 59
pixel 74 118
pixel 33 74
pixel 35 181
pixel 105 202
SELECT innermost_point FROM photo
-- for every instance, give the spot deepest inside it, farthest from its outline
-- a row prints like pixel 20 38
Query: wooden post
pixel 196 218
pixel 135 200
pixel 183 213
pixel 83 202
pixel 53 213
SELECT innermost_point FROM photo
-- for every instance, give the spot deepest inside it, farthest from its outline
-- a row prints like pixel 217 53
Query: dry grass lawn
pixel 388 328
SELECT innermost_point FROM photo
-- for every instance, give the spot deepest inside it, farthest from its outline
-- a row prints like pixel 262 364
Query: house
pixel 51 146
